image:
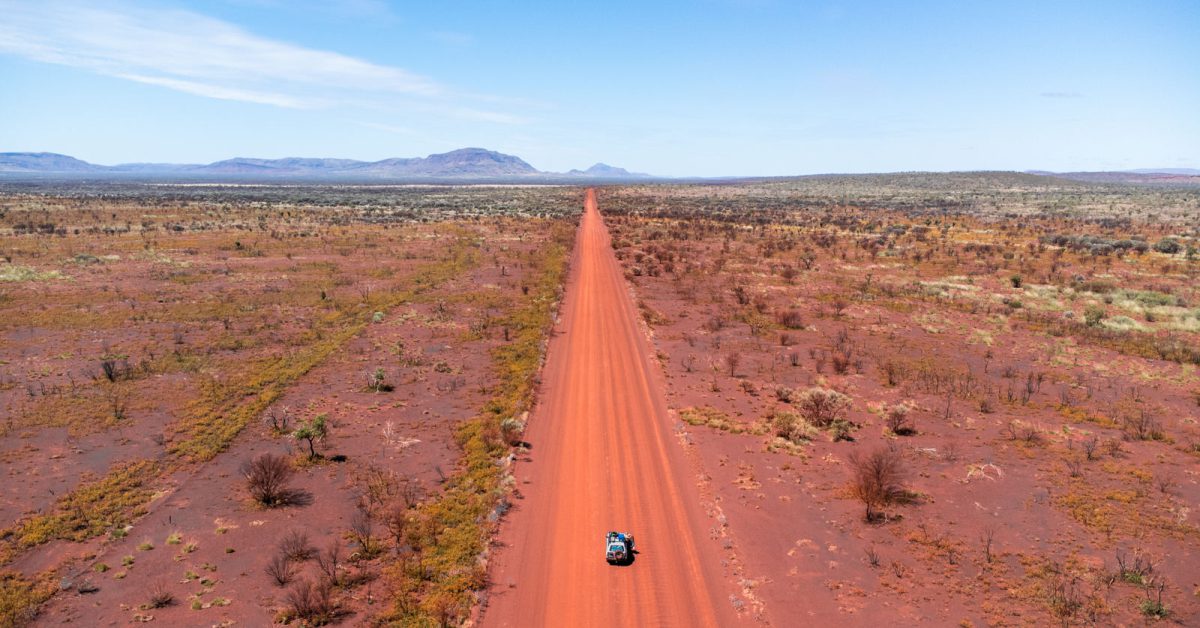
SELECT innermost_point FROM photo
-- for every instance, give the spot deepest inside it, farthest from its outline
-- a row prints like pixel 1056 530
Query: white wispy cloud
pixel 193 53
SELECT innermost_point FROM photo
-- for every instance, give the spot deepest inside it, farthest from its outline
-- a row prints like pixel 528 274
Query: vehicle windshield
pixel 616 548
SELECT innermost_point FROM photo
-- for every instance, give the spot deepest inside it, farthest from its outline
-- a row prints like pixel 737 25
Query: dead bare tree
pixel 877 480
pixel 267 477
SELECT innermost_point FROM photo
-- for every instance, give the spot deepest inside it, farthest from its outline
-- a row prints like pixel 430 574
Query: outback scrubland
pixel 934 399
pixel 912 399
pixel 250 404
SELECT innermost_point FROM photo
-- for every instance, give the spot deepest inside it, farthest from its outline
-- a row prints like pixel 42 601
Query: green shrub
pixel 1170 246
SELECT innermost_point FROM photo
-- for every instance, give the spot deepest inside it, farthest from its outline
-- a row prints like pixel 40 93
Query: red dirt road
pixel 604 457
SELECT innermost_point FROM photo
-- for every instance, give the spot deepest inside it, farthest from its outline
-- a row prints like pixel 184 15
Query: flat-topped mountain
pixel 601 170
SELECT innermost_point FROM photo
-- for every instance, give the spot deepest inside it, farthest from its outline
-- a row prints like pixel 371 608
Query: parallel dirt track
pixel 604 457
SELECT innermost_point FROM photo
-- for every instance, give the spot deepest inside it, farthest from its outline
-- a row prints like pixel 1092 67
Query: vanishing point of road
pixel 604 457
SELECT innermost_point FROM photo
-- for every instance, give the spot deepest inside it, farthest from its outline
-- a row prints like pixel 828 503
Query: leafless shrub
pixel 114 369
pixel 295 547
pixel 118 403
pixel 1065 398
pixel 311 602
pixel 1089 447
pixel 839 305
pixel 819 359
pixel 379 485
pixel 794 358
pixel 842 353
pixel 688 363
pixel 786 339
pixel 280 569
pixel 1141 423
pixel 362 528
pixel 741 295
pixel 877 480
pixel 1024 432
pixel 278 419
pixel 411 492
pixel 1166 483
pixel 790 318
pixel 893 372
pixel 732 360
pixel 988 539
pixel 266 478
pixel 1074 467
pixel 329 563
pixel 395 518
pixel 872 556
pixel 1064 597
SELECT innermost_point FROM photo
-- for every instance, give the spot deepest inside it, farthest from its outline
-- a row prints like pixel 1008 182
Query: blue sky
pixel 702 87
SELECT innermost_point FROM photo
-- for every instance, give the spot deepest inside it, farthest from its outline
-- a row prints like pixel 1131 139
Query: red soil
pixel 603 458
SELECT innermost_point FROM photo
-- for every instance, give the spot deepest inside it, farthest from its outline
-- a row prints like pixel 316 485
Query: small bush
pixel 267 477
pixel 311 602
pixel 1170 246
pixel 280 570
pixel 329 563
pixel 1093 315
pixel 362 527
pixel 898 421
pixel 295 546
pixel 821 406
pixel 512 430
pixel 791 426
pixel 791 319
pixel 877 480
pixel 377 381
pixel 160 597
pixel 1141 422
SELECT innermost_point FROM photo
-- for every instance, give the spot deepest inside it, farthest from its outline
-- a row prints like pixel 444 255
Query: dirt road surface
pixel 605 457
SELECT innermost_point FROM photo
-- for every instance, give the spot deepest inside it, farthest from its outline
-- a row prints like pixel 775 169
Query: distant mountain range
pixel 1177 176
pixel 465 163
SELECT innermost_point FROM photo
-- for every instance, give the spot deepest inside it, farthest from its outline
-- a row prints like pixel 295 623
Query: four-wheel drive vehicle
pixel 618 548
